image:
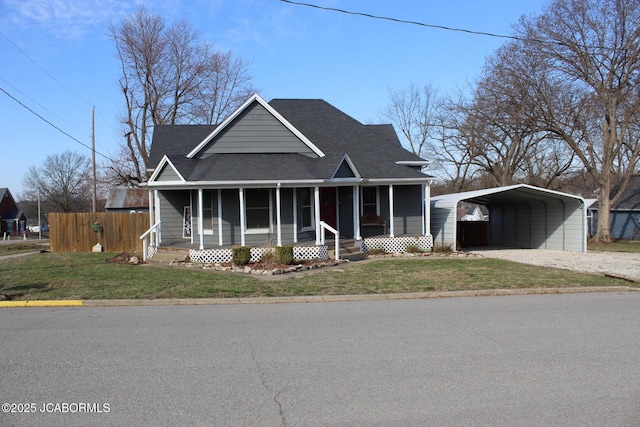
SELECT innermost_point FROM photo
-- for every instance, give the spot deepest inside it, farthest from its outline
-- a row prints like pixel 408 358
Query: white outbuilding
pixel 520 216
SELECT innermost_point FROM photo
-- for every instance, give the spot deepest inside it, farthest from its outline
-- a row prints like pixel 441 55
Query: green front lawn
pixel 89 276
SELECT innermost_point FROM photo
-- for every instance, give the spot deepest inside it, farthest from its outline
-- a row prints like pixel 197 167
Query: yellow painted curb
pixel 43 303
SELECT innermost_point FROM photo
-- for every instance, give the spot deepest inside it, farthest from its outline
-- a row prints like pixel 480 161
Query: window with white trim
pixel 305 213
pixel 258 209
pixel 369 200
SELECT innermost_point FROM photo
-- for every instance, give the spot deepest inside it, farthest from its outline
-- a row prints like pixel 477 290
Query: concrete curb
pixel 346 298
pixel 310 298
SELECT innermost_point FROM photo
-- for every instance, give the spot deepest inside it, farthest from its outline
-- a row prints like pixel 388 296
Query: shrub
pixel 284 254
pixel 376 251
pixel 442 249
pixel 241 255
pixel 268 257
pixel 412 249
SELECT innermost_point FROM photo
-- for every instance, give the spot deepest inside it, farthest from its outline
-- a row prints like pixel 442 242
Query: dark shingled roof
pixel 373 149
pixel 176 139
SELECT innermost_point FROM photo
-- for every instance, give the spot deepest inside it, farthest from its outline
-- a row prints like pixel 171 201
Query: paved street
pixel 566 360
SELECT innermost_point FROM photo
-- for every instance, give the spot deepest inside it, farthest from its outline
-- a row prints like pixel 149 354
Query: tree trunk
pixel 604 206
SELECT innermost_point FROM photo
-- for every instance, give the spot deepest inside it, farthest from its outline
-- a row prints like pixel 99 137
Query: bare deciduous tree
pixel 414 112
pixel 63 179
pixel 588 94
pixel 170 76
pixel 496 129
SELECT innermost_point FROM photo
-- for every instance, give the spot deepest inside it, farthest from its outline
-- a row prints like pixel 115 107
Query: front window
pixel 258 208
pixel 306 208
pixel 369 200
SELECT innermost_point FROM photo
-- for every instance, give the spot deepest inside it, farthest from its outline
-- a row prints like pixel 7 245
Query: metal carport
pixel 520 216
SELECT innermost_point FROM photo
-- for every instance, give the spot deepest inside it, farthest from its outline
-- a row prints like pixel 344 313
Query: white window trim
pixel 377 199
pixel 312 207
pixel 265 230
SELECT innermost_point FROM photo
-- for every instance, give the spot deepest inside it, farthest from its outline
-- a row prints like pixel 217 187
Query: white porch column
pixel 152 217
pixel 356 213
pixel 391 230
pixel 316 199
pixel 278 216
pixel 156 198
pixel 295 215
pixel 243 219
pixel 427 209
pixel 200 218
pixel 193 229
pixel 220 241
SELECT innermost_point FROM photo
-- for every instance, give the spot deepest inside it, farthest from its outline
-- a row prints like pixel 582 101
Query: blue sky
pixel 57 59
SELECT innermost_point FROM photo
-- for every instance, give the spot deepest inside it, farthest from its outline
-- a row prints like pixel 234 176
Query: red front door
pixel 328 206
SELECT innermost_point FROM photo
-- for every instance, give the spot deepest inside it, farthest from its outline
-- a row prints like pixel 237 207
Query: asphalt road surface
pixel 564 360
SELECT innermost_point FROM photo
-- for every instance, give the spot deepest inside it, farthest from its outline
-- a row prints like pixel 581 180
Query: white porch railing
pixel 336 233
pixel 151 235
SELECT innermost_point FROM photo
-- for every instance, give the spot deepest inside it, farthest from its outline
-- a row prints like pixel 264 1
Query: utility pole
pixel 39 216
pixel 93 152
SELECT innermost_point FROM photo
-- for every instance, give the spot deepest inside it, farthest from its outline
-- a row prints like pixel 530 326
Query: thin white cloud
pixel 67 19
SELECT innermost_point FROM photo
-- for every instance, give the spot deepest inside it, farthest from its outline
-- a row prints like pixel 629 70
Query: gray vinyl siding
pixel 256 131
pixel 383 201
pixel 407 209
pixel 231 217
pixel 172 205
pixel 231 221
pixel 168 174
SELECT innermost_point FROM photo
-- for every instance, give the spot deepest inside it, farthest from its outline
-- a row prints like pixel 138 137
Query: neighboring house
pixel 624 215
pixel 13 221
pixel 284 173
pixel 128 200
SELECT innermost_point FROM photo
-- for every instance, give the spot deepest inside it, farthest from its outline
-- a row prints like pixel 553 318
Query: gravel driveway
pixel 619 264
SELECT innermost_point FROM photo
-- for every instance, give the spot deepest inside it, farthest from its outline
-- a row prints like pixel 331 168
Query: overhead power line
pixel 443 27
pixel 52 77
pixel 43 70
pixel 401 21
pixel 40 105
pixel 51 124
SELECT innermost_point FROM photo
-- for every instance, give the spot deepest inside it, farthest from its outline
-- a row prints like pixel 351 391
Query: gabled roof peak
pixel 243 107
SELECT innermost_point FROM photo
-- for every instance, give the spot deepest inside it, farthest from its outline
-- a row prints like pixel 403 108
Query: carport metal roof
pixel 571 213
pixel 511 193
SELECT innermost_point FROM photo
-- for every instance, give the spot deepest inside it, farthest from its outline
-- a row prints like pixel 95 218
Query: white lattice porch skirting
pixel 320 252
pixel 394 245
pixel 300 253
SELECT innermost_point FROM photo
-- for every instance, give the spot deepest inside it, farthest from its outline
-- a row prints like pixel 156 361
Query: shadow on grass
pixel 18 291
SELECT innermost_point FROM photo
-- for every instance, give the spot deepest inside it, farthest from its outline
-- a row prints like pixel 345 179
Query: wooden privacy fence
pixel 74 232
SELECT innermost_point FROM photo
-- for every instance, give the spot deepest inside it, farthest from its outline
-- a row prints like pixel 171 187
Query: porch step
pixel 348 251
pixel 168 255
